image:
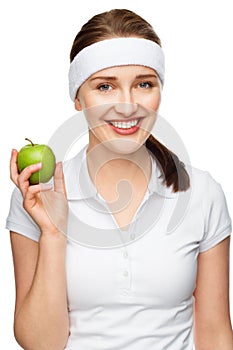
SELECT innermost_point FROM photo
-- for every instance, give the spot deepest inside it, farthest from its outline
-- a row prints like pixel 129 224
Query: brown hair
pixel 125 23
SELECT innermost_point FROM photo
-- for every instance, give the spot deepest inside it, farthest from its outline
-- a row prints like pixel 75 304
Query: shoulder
pixel 18 220
pixel 203 183
pixel 16 197
pixel 210 201
pixel 206 190
pixel 208 195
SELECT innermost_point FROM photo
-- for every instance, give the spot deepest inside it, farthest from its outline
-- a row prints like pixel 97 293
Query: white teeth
pixel 124 125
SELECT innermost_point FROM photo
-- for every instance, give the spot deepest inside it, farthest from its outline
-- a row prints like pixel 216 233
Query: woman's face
pixel 120 105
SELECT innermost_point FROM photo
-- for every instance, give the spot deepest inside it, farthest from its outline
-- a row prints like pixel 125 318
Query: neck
pixel 107 165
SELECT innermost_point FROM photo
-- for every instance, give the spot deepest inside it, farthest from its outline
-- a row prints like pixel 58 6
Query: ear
pixel 77 104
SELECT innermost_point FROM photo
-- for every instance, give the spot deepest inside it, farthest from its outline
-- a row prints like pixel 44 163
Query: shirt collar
pixel 80 186
pixel 77 179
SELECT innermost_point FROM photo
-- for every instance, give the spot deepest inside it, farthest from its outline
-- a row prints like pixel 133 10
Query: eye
pixel 145 85
pixel 104 87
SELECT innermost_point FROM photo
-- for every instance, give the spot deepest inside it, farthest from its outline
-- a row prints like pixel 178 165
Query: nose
pixel 126 104
pixel 125 109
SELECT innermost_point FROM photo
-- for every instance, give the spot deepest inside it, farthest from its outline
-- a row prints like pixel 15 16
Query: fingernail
pixel 36 166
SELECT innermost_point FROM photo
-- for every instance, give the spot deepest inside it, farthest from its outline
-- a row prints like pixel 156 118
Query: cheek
pixel 154 102
pixel 97 98
pixel 151 101
pixel 88 99
pixel 87 102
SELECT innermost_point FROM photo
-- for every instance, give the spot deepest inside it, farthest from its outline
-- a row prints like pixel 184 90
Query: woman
pixel 146 288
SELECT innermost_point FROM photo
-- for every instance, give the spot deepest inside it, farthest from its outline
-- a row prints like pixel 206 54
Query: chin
pixel 123 146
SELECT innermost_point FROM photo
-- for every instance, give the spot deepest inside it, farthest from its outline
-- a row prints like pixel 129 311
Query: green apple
pixel 35 153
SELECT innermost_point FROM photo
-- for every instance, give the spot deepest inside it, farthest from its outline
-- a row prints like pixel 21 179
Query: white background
pixel 36 38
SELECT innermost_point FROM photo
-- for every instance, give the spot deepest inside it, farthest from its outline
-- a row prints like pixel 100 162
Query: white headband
pixel 114 52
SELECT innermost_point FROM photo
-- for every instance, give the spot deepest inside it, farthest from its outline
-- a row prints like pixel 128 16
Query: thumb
pixel 59 181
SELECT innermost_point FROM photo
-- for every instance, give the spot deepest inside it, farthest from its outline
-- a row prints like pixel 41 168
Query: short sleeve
pixel 19 220
pixel 217 222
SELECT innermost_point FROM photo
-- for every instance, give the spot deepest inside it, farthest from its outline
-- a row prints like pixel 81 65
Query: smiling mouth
pixel 124 125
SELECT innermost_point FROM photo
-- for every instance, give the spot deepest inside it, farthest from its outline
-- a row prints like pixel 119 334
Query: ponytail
pixel 173 170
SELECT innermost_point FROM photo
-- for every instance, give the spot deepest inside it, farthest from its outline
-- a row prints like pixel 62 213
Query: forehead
pixel 123 71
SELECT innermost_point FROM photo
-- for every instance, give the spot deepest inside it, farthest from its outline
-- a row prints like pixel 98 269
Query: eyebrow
pixel 145 76
pixel 140 76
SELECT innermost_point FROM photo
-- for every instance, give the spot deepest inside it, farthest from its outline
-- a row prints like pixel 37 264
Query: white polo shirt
pixel 133 289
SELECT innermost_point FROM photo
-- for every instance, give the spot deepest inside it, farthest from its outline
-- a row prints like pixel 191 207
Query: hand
pixel 47 207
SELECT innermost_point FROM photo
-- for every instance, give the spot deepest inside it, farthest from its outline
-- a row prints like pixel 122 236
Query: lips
pixel 125 125
pixel 125 128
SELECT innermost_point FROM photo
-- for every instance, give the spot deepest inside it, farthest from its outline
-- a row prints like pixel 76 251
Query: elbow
pixel 31 339
pixel 214 339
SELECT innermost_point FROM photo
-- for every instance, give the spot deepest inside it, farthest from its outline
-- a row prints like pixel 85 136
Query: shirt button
pixel 132 236
pixel 125 273
pixel 125 255
pixel 125 292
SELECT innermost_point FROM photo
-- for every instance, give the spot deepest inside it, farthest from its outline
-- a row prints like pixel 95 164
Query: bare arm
pixel 213 330
pixel 41 315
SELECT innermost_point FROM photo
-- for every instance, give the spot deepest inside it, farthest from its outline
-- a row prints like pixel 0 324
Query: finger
pixel 59 181
pixel 28 171
pixel 13 166
pixel 35 189
pixel 23 178
pixel 31 195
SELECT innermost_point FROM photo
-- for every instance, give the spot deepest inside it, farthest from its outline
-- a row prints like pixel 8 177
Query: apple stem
pixel 29 141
